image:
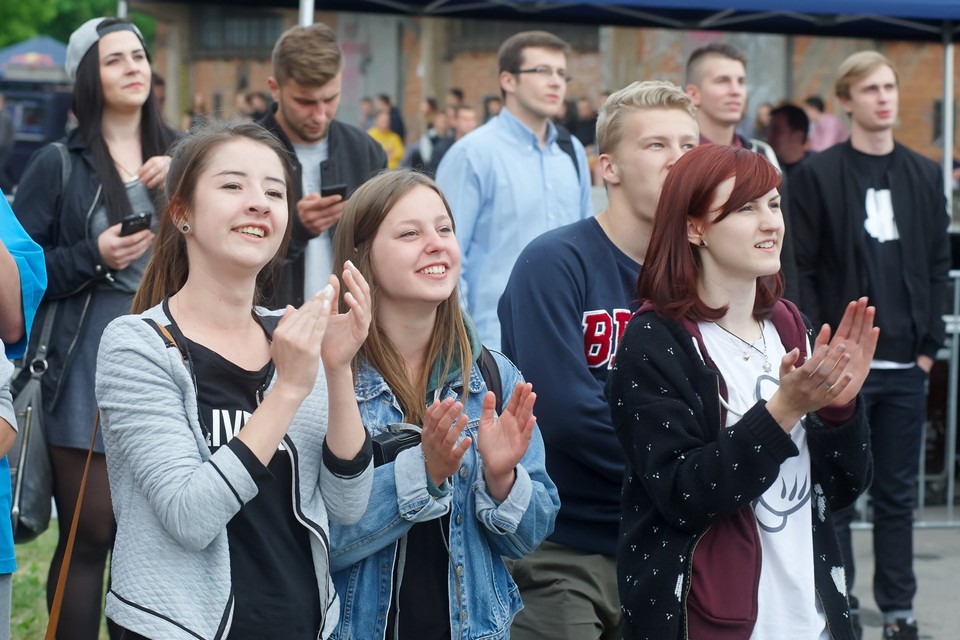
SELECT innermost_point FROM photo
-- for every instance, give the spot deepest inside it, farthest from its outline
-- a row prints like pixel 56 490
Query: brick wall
pixel 657 54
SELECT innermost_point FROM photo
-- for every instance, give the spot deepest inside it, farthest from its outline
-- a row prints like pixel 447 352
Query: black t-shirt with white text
pixel 274 582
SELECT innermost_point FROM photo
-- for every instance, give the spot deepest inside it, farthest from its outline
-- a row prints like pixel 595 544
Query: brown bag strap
pixel 68 551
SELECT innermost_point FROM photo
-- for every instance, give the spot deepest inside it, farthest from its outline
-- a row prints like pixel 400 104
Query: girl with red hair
pixel 741 428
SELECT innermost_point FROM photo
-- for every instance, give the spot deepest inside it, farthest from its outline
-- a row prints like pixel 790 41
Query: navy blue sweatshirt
pixel 568 301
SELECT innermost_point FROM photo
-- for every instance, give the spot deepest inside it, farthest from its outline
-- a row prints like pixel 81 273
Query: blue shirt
pixel 33 272
pixel 33 281
pixel 505 190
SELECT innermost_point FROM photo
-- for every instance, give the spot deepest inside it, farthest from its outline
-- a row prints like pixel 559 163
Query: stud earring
pixel 185 228
pixel 702 243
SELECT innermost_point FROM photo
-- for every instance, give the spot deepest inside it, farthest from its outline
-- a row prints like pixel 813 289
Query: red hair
pixel 672 267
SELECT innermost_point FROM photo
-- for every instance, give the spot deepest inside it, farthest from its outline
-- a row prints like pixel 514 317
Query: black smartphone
pixel 135 222
pixel 333 190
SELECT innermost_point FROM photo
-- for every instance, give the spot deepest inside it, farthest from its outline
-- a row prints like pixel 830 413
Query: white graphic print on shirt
pixel 788 607
pixel 880 223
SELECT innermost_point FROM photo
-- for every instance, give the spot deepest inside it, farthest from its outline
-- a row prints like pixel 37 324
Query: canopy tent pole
pixel 121 8
pixel 306 13
pixel 947 113
pixel 954 371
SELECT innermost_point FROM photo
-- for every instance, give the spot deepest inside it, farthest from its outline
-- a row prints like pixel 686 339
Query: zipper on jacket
pixel 86 303
pixel 310 526
pixel 225 628
pixel 689 581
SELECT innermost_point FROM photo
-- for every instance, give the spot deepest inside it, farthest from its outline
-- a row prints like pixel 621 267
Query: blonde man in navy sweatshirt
pixel 567 302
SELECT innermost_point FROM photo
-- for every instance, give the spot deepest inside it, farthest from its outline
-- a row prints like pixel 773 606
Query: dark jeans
pixel 896 403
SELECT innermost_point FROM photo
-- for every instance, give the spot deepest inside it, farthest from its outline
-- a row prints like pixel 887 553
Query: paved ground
pixel 937 564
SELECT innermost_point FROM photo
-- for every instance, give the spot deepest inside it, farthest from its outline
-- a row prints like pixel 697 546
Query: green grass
pixel 28 618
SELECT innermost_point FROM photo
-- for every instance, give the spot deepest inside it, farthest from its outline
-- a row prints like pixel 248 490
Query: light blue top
pixel 33 282
pixel 482 596
pixel 504 191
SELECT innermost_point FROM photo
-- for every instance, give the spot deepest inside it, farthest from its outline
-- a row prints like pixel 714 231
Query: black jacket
pixel 57 217
pixel 826 217
pixel 353 158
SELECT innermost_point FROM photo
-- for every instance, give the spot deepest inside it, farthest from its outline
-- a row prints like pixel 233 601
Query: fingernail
pixel 350 264
pixel 325 304
pixel 327 291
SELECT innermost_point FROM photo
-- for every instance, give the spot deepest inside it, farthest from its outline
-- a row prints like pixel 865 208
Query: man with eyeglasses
pixel 515 177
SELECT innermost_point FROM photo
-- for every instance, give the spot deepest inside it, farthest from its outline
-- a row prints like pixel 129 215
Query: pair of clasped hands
pixel 833 374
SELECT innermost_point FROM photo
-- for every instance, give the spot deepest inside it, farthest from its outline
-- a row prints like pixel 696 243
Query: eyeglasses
pixel 546 72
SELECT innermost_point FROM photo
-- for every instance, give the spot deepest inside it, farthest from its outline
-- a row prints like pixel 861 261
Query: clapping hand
pixel 347 331
pixel 442 425
pixel 859 337
pixel 503 440
pixel 296 344
pixel 834 373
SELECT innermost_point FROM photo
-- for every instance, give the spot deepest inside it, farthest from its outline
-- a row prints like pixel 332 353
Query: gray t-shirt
pixel 128 279
pixel 318 255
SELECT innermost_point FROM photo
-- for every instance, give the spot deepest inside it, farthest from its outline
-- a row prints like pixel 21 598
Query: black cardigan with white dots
pixel 690 484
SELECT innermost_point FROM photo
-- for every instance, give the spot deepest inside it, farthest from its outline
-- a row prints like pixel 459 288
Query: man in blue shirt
pixel 23 279
pixel 567 302
pixel 511 180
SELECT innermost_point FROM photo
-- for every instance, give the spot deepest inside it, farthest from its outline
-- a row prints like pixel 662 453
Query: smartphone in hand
pixel 135 222
pixel 333 190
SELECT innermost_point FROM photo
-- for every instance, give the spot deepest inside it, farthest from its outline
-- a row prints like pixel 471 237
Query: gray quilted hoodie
pixel 173 499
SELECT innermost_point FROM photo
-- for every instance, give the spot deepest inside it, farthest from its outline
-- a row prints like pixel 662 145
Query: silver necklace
pixel 746 352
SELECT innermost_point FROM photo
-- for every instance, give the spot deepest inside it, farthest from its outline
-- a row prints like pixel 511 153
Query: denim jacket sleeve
pixel 399 499
pixel 517 526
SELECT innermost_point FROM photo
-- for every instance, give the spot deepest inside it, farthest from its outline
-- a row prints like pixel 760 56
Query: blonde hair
pixel 638 96
pixel 310 56
pixel 356 230
pixel 169 267
pixel 858 65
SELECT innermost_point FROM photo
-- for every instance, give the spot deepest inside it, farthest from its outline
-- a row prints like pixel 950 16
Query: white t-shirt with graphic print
pixel 788 607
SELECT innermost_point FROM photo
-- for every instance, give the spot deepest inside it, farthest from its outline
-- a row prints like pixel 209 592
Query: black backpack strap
pixel 168 340
pixel 565 142
pixel 491 375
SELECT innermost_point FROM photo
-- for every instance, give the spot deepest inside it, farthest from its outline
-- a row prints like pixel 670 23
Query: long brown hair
pixel 358 226
pixel 672 267
pixel 169 267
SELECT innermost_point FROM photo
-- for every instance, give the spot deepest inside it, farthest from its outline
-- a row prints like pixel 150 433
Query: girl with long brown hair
pixel 741 428
pixel 469 486
pixel 230 448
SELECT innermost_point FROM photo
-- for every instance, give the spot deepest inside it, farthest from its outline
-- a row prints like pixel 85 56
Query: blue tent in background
pixel 41 55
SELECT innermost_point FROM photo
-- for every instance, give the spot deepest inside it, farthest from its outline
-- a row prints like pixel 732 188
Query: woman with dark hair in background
pixel 114 163
pixel 741 436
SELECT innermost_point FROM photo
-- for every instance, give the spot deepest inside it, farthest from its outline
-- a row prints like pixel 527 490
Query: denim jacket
pixel 483 596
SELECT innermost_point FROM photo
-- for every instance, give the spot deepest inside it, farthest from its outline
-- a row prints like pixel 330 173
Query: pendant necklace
pixel 750 345
pixel 126 172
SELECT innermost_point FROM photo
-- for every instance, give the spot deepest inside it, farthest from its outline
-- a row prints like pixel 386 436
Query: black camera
pixel 394 439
